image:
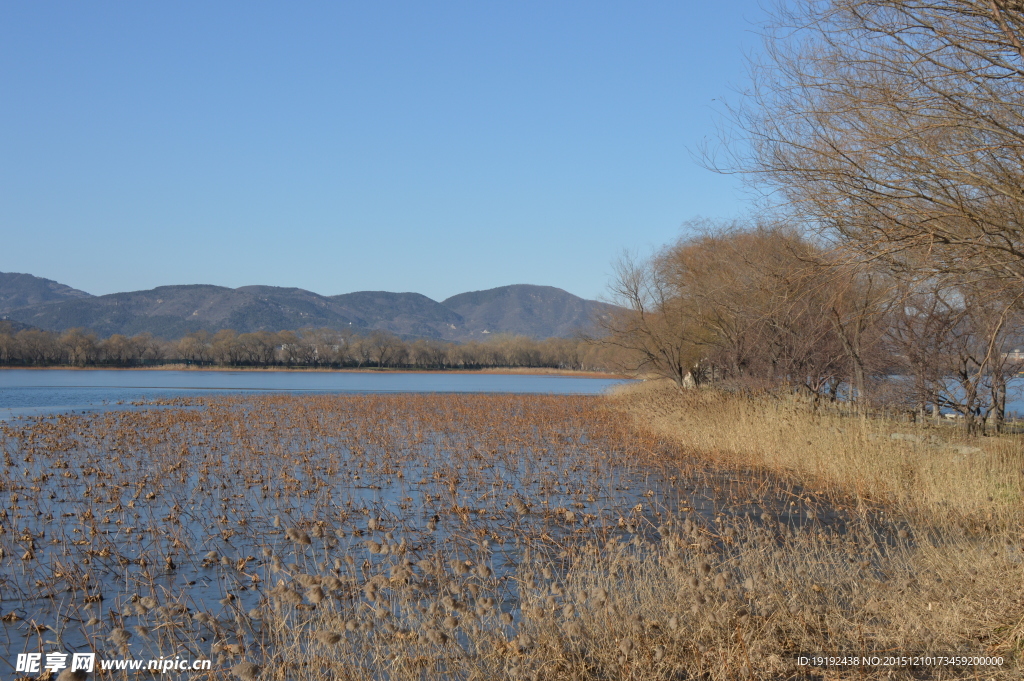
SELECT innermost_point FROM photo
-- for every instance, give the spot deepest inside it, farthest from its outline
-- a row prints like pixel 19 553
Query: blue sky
pixel 437 147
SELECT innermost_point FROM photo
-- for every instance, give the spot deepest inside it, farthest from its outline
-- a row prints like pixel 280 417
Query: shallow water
pixel 30 392
pixel 104 509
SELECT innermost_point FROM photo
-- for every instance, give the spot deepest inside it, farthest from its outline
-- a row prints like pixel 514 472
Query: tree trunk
pixel 999 404
pixel 971 424
pixel 858 378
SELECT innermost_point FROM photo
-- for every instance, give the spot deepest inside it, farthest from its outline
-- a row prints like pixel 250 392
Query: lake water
pixel 182 529
pixel 187 528
pixel 29 392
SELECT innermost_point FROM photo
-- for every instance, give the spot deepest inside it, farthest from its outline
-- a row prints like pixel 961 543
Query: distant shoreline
pixel 525 371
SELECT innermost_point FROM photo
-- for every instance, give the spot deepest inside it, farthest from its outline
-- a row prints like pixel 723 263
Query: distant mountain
pixel 406 314
pixel 538 311
pixel 173 311
pixel 20 290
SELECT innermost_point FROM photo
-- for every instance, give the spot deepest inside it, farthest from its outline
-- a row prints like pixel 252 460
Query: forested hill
pixel 173 311
pixel 21 290
pixel 538 311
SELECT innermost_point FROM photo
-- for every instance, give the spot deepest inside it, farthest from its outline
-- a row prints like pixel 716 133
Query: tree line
pixel 886 262
pixel 323 348
pixel 764 305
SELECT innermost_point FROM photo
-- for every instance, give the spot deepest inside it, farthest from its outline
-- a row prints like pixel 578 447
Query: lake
pixel 31 392
pixel 253 520
pixel 350 522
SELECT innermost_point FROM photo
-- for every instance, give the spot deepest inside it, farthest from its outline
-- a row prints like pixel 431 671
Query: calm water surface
pixel 29 392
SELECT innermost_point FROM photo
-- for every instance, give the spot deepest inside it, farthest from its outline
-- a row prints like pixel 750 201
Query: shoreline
pixel 540 371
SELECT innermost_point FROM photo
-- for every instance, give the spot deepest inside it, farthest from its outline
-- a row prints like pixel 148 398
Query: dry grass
pixel 931 473
pixel 936 562
pixel 427 537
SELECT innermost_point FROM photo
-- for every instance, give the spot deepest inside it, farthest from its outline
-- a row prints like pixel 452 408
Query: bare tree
pixel 858 299
pixel 385 348
pixel 897 126
pixel 257 348
pixel 224 347
pixel 654 327
pixel 951 340
pixel 756 302
pixel 194 347
pixel 37 347
pixel 146 347
pixel 79 347
pixel 428 353
pixel 10 350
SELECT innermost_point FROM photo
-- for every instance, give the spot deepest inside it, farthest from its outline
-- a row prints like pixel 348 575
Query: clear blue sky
pixel 437 147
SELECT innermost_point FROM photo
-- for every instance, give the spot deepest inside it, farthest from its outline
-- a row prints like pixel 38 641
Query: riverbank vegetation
pixel 933 473
pixel 947 561
pixel 767 307
pixel 518 537
pixel 887 141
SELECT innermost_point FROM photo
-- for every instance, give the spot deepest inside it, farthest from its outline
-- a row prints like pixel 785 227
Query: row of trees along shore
pixel 323 348
pixel 886 260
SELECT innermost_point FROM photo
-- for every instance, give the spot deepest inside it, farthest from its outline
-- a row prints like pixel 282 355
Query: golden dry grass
pixel 509 547
pixel 930 472
pixel 949 572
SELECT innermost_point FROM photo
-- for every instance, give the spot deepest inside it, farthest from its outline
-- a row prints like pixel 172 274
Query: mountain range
pixel 173 311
